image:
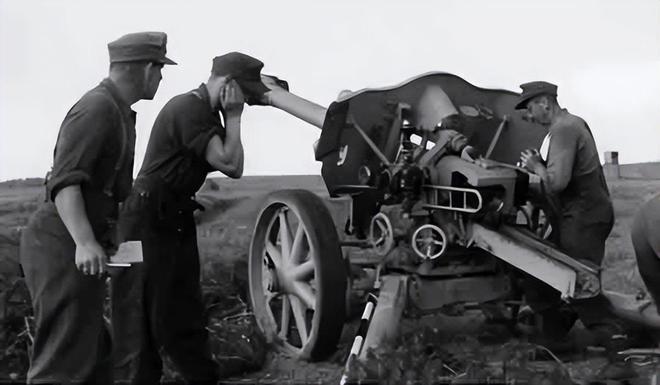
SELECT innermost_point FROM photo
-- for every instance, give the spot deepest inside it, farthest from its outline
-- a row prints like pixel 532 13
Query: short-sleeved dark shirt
pixel 97 131
pixel 575 175
pixel 572 151
pixel 176 153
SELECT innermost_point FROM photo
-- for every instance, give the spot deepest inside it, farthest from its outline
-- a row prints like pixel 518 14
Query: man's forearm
pixel 550 183
pixel 71 208
pixel 233 144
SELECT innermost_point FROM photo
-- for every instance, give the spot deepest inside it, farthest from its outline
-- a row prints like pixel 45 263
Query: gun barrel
pixel 301 108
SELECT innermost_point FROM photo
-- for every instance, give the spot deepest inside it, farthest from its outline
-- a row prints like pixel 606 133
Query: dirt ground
pixel 431 346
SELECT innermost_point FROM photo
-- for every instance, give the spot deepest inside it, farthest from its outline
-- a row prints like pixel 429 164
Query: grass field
pixel 224 231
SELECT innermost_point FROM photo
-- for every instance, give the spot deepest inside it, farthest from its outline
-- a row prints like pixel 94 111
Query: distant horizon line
pixel 208 177
pixel 280 175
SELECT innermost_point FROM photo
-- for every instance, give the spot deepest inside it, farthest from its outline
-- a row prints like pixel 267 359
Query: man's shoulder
pixel 570 120
pixel 573 119
pixel 568 123
pixel 183 103
pixel 95 101
pixel 177 113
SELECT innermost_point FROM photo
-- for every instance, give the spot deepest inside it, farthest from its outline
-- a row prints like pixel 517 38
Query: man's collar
pixel 109 85
pixel 202 92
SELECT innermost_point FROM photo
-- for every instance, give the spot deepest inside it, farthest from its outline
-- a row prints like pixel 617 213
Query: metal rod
pixel 358 342
pixel 301 108
pixel 496 138
pixel 371 144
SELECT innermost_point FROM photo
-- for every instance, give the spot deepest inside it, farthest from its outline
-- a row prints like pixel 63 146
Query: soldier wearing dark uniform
pixel 573 174
pixel 573 180
pixel 157 307
pixel 65 244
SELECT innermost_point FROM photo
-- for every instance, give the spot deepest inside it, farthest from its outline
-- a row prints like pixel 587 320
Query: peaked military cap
pixel 140 46
pixel 243 68
pixel 533 89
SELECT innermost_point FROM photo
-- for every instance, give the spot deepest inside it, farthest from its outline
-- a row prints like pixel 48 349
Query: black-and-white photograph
pixel 330 192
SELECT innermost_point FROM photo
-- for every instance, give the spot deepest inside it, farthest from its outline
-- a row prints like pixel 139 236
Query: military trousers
pixel 157 307
pixel 71 340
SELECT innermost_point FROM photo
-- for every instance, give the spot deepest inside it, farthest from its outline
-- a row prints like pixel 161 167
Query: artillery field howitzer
pixel 431 226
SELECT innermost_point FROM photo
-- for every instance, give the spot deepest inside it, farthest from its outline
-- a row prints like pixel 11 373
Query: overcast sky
pixel 604 55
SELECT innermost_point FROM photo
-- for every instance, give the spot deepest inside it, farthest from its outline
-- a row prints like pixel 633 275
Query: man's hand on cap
pixel 232 98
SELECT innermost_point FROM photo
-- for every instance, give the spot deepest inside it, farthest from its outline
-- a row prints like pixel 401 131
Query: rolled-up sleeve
pixel 80 142
pixel 561 157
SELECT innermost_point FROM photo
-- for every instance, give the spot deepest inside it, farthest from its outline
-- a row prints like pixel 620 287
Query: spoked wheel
pixel 297 275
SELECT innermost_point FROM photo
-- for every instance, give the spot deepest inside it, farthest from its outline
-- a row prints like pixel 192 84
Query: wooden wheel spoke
pixel 299 317
pixel 285 235
pixel 285 317
pixel 274 254
pixel 303 272
pixel 306 294
pixel 299 244
pixel 269 296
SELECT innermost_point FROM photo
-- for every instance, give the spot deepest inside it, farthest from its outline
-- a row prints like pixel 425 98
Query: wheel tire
pixel 300 311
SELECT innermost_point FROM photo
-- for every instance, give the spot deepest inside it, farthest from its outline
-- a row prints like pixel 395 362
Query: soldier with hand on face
pixel 157 306
pixel 65 245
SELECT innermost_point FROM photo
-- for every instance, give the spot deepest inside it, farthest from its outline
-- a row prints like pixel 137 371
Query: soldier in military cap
pixel 157 307
pixel 66 242
pixel 572 173
pixel 573 180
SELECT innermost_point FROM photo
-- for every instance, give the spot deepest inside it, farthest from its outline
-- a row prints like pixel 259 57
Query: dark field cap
pixel 534 89
pixel 140 46
pixel 245 69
